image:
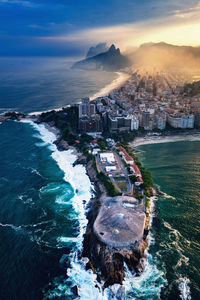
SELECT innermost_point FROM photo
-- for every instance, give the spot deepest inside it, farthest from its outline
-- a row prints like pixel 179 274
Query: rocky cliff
pixel 109 263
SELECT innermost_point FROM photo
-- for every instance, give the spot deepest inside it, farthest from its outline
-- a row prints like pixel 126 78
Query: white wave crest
pixel 184 289
pixel 151 280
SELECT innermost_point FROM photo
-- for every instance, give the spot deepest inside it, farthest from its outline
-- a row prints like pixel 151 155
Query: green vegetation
pixel 120 178
pixel 133 178
pixel 146 175
pixel 191 89
pixel 84 140
pixel 66 120
pixel 147 178
pixel 122 137
pixel 122 185
pixel 102 144
pixel 140 197
pixel 148 202
pixel 108 184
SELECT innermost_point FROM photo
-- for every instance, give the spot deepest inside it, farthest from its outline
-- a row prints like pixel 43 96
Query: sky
pixel 69 27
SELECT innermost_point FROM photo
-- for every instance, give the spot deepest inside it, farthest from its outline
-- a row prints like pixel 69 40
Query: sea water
pixel 175 168
pixel 40 84
pixel 44 200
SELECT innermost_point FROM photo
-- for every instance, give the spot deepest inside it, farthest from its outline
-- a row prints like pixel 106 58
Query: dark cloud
pixel 24 20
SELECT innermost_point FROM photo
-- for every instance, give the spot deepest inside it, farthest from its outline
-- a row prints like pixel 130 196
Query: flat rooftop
pixel 120 222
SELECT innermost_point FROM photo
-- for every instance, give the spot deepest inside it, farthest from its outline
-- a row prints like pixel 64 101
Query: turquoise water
pixel 43 199
pixel 41 212
pixel 175 168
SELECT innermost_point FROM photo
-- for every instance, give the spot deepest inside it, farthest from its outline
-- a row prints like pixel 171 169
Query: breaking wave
pixel 79 282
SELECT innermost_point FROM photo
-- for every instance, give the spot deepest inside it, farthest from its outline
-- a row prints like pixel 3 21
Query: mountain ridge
pixel 111 60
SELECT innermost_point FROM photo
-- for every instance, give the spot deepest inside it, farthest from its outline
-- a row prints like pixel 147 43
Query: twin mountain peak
pixel 103 58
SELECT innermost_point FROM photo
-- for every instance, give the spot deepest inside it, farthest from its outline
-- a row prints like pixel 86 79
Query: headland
pixel 104 132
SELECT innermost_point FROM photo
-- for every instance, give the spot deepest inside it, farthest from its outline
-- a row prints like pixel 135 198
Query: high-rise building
pixel 86 108
pixel 197 119
pixel 123 123
pixel 91 124
pixel 146 119
pixel 161 122
pixel 181 121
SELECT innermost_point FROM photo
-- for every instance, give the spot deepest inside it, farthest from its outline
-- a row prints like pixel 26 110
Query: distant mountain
pixel 163 55
pixel 111 60
pixel 99 48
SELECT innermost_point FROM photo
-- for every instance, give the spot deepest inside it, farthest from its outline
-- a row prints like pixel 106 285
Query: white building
pixel 107 157
pixel 110 168
pixel 181 121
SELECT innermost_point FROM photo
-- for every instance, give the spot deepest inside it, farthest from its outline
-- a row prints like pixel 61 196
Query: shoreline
pixel 140 141
pixel 134 256
pixel 110 257
pixel 114 84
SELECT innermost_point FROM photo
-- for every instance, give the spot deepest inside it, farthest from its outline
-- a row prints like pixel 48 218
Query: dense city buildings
pixel 148 101
pixel 89 121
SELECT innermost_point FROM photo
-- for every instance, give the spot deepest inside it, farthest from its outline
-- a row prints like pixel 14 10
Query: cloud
pixel 20 2
pixel 191 12
pixel 171 30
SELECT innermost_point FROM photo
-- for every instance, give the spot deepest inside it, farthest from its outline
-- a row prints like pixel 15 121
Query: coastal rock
pixel 110 261
pixel 107 261
pixel 61 145
pixel 81 160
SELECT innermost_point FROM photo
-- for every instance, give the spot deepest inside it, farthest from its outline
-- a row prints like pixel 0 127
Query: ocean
pixel 44 199
pixel 175 168
pixel 40 84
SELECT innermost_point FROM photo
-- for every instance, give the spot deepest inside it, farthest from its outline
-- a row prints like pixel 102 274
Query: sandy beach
pixel 116 83
pixel 164 139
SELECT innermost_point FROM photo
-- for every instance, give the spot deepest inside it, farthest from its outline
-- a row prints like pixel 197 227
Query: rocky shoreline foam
pixel 108 263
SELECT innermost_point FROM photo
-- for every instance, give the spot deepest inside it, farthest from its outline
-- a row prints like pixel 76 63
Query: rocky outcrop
pixel 61 144
pixel 99 48
pixel 108 261
pixel 112 60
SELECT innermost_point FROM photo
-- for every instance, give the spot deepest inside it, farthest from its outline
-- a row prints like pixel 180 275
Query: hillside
pixel 166 56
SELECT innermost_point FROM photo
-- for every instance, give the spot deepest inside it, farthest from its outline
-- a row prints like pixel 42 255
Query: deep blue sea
pixel 43 198
pixel 39 84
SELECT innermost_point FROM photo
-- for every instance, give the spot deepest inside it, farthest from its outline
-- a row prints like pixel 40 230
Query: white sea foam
pixel 16 228
pixel 146 286
pixel 75 175
pixel 184 289
pixel 151 280
pixel 149 284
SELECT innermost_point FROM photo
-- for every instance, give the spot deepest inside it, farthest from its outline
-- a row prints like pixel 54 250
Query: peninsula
pixel 104 132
